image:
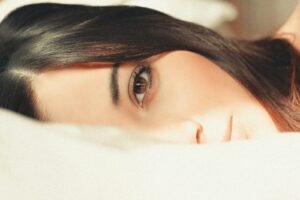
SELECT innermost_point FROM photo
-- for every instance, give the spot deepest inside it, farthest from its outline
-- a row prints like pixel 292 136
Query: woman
pixel 142 70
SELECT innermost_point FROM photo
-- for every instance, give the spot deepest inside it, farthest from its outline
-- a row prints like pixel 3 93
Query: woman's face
pixel 178 96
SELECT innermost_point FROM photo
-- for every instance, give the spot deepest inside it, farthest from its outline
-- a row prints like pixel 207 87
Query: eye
pixel 139 84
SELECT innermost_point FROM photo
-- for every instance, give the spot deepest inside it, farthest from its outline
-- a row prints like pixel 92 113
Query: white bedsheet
pixel 61 162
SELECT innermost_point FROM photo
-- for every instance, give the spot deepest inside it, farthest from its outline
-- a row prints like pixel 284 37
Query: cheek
pixel 196 88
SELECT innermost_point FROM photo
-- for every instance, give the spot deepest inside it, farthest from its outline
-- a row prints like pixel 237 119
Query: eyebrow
pixel 114 84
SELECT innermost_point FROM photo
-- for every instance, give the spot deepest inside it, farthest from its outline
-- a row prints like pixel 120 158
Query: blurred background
pixel 248 19
pixel 258 18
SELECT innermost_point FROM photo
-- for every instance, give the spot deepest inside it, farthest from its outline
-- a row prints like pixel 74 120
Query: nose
pixel 188 132
pixel 202 129
pixel 216 127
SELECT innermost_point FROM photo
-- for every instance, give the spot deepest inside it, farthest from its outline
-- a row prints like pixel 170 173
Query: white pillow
pixel 58 162
pixel 210 13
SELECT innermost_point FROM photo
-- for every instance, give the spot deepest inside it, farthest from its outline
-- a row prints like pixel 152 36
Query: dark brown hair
pixel 39 36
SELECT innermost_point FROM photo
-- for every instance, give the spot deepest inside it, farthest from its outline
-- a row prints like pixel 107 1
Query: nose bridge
pixel 182 132
pixel 211 127
pixel 216 127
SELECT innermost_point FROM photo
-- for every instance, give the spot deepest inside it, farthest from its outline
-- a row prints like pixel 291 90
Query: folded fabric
pixel 59 162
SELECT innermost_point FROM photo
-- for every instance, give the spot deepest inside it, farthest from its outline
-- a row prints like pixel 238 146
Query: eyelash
pixel 137 72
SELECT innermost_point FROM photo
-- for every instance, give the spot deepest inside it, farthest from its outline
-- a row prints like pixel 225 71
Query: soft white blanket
pixel 61 162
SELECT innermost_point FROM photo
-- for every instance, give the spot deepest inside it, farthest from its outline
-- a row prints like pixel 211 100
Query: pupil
pixel 140 85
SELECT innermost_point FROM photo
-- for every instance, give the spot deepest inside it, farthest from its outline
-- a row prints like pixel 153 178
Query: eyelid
pixel 140 66
pixel 137 71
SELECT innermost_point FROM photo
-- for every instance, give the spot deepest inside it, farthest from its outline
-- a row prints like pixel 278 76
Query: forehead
pixel 71 92
pixel 81 94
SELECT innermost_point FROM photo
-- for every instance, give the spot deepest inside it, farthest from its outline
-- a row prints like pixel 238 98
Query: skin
pixel 191 100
